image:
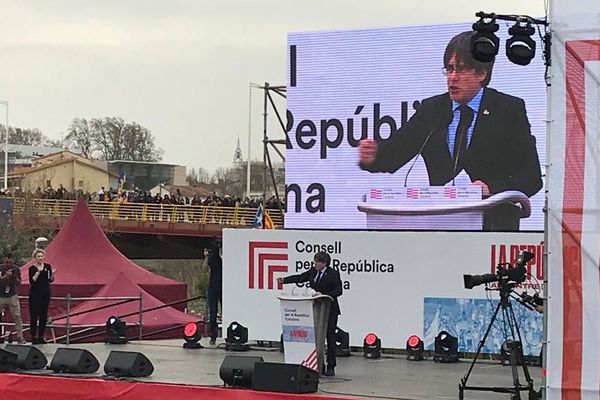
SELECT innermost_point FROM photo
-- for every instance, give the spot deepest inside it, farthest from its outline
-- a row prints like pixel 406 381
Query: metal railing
pixel 146 212
pixel 75 331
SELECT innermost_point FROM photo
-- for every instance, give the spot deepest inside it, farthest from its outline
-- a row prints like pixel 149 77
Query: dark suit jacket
pixel 501 153
pixel 330 284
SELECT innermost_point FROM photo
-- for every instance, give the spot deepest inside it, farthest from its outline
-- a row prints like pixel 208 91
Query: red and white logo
pixel 266 256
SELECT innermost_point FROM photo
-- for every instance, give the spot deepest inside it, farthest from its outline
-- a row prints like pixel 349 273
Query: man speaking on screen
pixel 473 128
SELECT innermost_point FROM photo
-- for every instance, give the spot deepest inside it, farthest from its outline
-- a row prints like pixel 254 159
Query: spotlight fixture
pixel 484 43
pixel 192 336
pixel 237 336
pixel 371 346
pixel 445 348
pixel 520 47
pixel 414 348
pixel 342 342
pixel 506 350
pixel 115 331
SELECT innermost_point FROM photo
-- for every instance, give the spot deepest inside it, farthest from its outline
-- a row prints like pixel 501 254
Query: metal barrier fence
pixel 74 331
pixel 146 212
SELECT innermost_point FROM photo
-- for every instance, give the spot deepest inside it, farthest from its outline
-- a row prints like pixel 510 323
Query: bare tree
pixel 111 138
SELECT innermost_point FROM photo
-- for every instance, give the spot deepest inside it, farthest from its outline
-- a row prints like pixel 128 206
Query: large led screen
pixel 400 128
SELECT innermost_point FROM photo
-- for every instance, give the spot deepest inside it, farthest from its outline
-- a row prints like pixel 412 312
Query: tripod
pixel 516 353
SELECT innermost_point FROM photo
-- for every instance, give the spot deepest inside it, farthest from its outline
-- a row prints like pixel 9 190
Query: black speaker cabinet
pixel 238 370
pixel 8 361
pixel 128 363
pixel 28 357
pixel 74 361
pixel 288 378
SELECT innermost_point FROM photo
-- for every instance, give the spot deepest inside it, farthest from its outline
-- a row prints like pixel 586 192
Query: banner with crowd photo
pixel 395 284
pixel 345 86
pixel 573 316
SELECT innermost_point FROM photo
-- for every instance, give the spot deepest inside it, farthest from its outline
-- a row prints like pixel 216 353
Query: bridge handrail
pixel 238 216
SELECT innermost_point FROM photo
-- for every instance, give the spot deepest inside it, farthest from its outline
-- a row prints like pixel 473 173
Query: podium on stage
pixel 439 207
pixel 304 326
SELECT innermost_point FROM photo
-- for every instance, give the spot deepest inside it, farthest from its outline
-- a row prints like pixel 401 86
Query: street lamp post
pixel 6 148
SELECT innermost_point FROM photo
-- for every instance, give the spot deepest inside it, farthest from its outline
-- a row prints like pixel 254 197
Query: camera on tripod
pixel 505 274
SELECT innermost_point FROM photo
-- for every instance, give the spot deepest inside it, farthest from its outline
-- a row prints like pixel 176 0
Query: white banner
pixel 298 330
pixel 573 357
pixel 395 283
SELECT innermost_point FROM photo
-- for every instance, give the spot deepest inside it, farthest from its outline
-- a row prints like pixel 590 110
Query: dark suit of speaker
pixel 288 378
pixel 128 363
pixel 28 357
pixel 8 361
pixel 502 152
pixel 74 361
pixel 238 370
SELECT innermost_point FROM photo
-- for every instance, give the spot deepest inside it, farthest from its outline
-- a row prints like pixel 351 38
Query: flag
pixel 268 222
pixel 258 218
pixel 262 220
pixel 122 180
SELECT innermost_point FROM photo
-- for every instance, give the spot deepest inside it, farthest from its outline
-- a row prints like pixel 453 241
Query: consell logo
pixel 271 256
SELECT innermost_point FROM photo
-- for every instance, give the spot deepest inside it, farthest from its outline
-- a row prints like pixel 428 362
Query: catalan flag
pixel 262 220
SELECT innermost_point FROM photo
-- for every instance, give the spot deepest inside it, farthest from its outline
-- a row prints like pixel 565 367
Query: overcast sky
pixel 180 68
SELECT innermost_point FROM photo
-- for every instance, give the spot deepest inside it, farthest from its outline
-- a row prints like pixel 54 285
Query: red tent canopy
pixel 152 321
pixel 84 260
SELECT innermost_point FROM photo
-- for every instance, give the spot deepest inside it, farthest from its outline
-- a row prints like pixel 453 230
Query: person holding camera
pixel 10 279
pixel 323 280
pixel 213 264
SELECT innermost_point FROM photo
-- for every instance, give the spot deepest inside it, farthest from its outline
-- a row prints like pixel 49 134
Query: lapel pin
pixel 486 112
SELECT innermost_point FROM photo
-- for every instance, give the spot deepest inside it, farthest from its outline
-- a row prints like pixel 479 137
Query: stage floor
pixel 392 376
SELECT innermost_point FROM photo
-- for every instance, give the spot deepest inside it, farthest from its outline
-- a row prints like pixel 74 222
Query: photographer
pixel 213 264
pixel 10 279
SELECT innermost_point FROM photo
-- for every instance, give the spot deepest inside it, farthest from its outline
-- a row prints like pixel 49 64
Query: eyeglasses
pixel 458 69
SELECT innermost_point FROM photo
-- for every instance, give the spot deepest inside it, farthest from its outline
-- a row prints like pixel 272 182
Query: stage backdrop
pixel 573 361
pixel 395 283
pixel 344 85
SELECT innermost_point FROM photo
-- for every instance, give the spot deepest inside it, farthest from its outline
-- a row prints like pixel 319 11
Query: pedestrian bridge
pixel 143 218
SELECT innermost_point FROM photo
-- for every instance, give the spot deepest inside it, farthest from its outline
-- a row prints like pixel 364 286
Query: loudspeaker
pixel 288 378
pixel 74 361
pixel 128 363
pixel 28 357
pixel 8 360
pixel 238 370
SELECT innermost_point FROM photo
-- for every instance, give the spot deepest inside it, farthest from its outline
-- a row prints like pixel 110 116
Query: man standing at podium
pixel 471 127
pixel 323 280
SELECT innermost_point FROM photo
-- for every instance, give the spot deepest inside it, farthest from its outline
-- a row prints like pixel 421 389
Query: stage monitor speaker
pixel 288 378
pixel 74 361
pixel 128 364
pixel 28 357
pixel 8 361
pixel 238 370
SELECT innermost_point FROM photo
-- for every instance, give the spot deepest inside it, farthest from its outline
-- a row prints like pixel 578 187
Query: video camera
pixel 506 273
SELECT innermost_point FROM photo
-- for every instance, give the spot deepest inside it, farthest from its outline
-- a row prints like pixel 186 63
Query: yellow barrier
pixel 144 212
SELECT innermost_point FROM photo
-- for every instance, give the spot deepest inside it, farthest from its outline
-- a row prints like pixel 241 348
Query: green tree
pixel 27 136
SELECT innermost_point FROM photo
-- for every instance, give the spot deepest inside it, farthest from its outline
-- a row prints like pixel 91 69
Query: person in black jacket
pixel 40 277
pixel 214 264
pixel 471 127
pixel 324 280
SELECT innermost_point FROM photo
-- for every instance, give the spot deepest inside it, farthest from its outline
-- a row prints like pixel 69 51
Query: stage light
pixel 191 335
pixel 342 341
pixel 237 336
pixel 484 43
pixel 414 348
pixel 520 47
pixel 115 331
pixel 506 349
pixel 445 348
pixel 371 346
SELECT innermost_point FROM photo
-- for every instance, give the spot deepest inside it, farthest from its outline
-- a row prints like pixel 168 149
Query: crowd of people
pixel 143 196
